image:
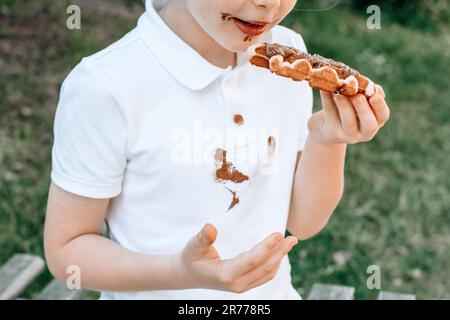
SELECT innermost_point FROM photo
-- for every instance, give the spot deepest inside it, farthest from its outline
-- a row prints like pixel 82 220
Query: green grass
pixel 395 210
pixel 28 100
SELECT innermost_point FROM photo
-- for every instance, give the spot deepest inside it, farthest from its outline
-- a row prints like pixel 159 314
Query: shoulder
pixel 288 37
pixel 89 93
pixel 119 52
pixel 102 74
pixel 115 63
pixel 88 85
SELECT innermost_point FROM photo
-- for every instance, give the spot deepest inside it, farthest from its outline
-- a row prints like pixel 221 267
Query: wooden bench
pixel 20 271
pixel 321 291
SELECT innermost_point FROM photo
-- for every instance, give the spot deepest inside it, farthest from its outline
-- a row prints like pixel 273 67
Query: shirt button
pixel 238 119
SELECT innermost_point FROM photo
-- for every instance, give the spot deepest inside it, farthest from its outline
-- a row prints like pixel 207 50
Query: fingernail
pixel 204 236
pixel 380 91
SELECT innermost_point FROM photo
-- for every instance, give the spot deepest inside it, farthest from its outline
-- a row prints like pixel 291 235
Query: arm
pixel 319 176
pixel 317 188
pixel 73 237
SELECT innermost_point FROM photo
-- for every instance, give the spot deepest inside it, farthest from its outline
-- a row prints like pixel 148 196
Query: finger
pixel 380 109
pixel 269 269
pixel 209 234
pixel 347 115
pixel 379 89
pixel 272 262
pixel 367 120
pixel 202 241
pixel 255 256
pixel 329 107
pixel 265 278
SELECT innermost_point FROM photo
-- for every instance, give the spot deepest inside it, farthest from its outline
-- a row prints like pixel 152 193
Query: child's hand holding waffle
pixel 354 107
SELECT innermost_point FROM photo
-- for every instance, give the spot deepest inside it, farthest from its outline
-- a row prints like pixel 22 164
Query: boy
pixel 197 161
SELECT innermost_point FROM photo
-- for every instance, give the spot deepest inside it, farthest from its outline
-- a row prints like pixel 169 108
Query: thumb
pixel 207 235
pixel 203 239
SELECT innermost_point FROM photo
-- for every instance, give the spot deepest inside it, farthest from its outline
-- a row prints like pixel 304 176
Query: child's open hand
pixel 201 263
pixel 349 119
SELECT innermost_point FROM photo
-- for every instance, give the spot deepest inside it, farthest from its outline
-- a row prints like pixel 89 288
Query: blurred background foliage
pixel 396 208
pixel 413 13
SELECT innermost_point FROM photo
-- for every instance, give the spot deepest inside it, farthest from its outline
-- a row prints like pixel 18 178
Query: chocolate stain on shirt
pixel 271 145
pixel 234 201
pixel 227 171
pixel 219 155
pixel 238 119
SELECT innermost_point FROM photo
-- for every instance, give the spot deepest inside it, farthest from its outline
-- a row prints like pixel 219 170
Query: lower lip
pixel 249 29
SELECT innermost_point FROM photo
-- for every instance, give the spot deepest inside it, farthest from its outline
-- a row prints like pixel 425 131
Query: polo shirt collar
pixel 182 61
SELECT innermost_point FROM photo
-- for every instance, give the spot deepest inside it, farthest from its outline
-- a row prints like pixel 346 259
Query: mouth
pixel 251 28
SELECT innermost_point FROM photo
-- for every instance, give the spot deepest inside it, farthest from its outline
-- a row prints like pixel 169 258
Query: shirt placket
pixel 240 127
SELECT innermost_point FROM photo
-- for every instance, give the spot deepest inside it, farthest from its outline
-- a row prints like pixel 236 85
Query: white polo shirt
pixel 145 122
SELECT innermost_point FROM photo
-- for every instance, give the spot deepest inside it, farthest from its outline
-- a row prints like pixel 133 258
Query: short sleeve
pixel 305 98
pixel 90 135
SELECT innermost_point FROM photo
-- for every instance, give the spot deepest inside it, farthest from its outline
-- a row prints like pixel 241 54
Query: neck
pixel 177 16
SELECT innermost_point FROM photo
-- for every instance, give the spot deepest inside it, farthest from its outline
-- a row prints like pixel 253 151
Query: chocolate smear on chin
pixel 226 16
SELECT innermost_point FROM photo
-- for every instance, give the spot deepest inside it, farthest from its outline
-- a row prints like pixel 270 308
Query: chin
pixel 239 45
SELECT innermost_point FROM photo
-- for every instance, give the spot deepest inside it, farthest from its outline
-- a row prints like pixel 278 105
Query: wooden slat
pixel 387 295
pixel 331 292
pixel 17 273
pixel 57 290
